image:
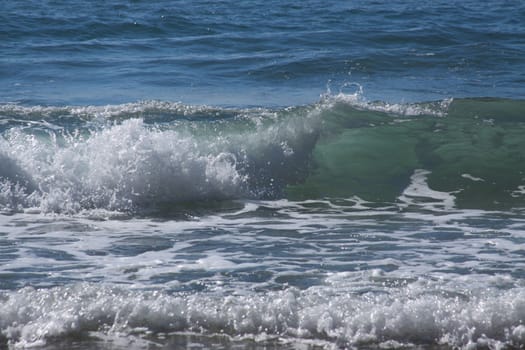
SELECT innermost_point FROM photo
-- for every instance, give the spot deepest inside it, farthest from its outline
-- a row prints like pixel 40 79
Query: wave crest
pixel 154 153
pixel 133 164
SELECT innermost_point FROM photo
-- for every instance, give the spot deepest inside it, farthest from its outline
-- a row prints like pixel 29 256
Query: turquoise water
pixel 262 175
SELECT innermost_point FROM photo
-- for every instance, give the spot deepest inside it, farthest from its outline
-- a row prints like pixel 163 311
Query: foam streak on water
pixel 347 272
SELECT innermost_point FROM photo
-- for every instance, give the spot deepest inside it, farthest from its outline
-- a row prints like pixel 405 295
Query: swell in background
pixel 258 53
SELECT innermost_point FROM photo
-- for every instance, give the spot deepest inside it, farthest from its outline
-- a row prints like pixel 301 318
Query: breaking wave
pixel 153 154
pixel 402 314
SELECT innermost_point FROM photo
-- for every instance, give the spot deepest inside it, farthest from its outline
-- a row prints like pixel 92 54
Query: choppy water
pixel 262 175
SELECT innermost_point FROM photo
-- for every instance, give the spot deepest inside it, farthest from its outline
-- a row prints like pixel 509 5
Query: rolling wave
pixel 153 153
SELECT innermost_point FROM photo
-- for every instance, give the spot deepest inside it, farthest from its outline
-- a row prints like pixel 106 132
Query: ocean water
pixel 262 174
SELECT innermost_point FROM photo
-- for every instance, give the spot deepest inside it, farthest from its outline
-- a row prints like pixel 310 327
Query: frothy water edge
pixel 419 313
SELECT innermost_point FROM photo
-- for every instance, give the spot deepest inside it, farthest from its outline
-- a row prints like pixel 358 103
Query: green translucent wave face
pixel 475 150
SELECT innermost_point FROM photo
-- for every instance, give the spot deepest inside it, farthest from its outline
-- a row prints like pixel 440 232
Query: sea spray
pixel 128 163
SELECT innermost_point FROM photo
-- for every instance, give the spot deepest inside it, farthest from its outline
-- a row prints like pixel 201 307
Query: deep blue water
pixel 262 174
pixel 261 53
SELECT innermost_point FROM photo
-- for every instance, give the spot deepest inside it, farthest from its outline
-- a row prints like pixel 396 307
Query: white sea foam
pixel 119 166
pixel 335 273
pixel 518 192
pixel 422 313
pixel 419 193
pixel 470 177
pixel 358 100
pixel 135 109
